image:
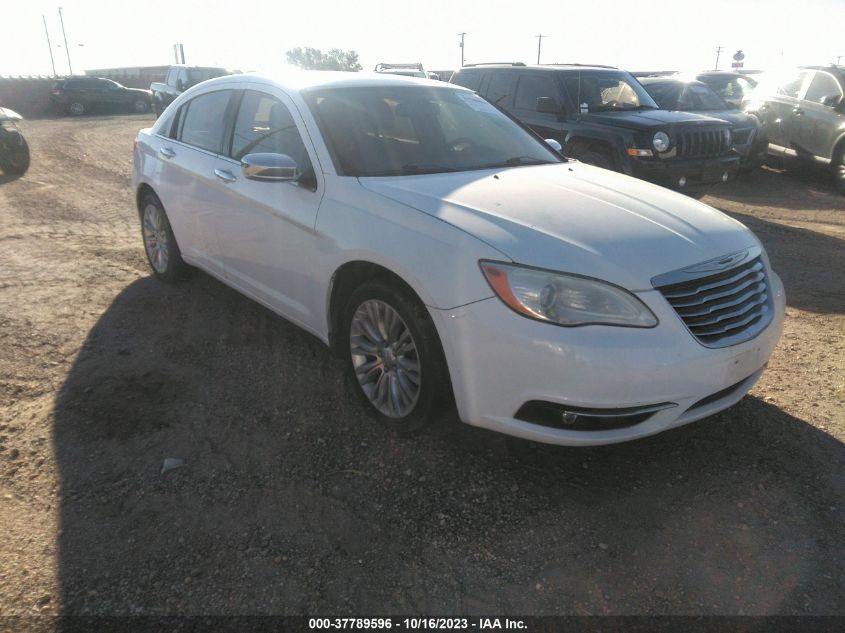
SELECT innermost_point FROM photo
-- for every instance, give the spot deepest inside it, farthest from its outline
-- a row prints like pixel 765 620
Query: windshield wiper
pixel 426 169
pixel 516 161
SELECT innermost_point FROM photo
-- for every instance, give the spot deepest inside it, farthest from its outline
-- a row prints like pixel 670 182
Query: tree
pixel 315 59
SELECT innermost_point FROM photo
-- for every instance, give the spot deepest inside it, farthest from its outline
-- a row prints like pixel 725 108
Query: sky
pixel 254 35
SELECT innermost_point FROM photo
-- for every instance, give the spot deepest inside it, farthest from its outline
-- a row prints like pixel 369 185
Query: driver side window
pixel 264 124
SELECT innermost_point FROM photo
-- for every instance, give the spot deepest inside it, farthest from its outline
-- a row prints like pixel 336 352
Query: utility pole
pixel 539 44
pixel 719 50
pixel 64 35
pixel 462 48
pixel 49 46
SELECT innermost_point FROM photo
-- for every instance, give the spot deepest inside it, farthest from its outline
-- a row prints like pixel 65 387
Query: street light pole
pixel 49 46
pixel 462 48
pixel 64 35
pixel 539 44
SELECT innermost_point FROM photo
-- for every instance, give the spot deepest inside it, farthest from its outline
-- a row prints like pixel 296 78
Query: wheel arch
pixel 349 276
pixel 143 189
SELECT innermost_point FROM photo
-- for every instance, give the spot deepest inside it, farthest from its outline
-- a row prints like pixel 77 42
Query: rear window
pixel 203 120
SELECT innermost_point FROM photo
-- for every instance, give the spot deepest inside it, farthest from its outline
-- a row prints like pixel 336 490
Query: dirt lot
pixel 293 502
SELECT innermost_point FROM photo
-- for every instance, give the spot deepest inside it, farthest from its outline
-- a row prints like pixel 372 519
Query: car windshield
pixel 607 91
pixel 402 130
pixel 688 97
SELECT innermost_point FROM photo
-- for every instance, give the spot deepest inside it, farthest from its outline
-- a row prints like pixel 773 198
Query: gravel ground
pixel 292 501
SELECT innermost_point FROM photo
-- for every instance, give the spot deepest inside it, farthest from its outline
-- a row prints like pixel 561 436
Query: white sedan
pixel 454 259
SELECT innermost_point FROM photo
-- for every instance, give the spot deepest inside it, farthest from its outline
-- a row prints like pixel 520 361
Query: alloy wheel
pixel 385 359
pixel 155 238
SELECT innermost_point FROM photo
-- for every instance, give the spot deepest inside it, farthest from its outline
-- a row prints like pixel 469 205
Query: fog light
pixel 725 177
pixel 682 181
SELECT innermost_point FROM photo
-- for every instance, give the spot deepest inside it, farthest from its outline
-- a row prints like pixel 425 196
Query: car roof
pixel 295 80
pixel 545 67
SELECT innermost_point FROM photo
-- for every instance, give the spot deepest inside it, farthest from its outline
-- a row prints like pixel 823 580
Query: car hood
pixel 575 218
pixel 738 119
pixel 648 119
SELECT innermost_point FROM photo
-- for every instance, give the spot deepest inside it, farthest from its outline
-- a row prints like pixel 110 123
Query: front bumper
pixel 500 360
pixel 694 172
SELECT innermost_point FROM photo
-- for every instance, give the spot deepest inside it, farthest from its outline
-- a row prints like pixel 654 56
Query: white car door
pixel 266 231
pixel 190 190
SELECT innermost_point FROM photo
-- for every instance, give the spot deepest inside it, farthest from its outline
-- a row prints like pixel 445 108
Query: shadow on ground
pixel 786 185
pixel 810 263
pixel 292 501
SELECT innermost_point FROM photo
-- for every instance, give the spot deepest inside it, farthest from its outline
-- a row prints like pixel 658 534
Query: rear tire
pixel 76 108
pixel 394 359
pixel 140 106
pixel 160 244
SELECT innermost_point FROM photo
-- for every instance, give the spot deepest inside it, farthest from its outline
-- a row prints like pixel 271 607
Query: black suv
pixel 803 112
pixel 83 95
pixel 603 116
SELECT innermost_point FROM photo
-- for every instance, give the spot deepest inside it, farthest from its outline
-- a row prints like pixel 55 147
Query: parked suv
pixel 603 116
pixel 732 87
pixel 688 95
pixel 83 95
pixel 803 112
pixel 179 78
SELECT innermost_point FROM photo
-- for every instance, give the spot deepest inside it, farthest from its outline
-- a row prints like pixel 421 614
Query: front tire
pixel 17 160
pixel 394 358
pixel 598 158
pixel 140 106
pixel 839 172
pixel 76 108
pixel 160 244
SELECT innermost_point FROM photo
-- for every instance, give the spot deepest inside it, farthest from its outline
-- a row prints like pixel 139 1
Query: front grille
pixel 704 143
pixel 724 309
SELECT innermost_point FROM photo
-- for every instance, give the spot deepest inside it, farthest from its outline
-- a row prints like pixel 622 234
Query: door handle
pixel 225 175
pixel 167 152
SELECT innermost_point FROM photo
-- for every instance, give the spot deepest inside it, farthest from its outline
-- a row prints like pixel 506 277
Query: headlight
pixel 565 299
pixel 660 141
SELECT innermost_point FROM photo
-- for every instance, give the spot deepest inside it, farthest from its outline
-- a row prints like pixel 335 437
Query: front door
pixel 265 228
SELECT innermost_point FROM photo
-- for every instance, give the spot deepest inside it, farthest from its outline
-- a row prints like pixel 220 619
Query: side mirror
pixel 269 167
pixel 554 145
pixel 548 105
pixel 831 101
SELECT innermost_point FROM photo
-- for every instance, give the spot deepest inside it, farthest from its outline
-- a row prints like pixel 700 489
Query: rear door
pixel 500 88
pixel 817 124
pixel 780 108
pixel 191 192
pixel 266 229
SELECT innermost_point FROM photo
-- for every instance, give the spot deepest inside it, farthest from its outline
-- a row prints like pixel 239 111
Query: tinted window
pixel 696 96
pixel 823 85
pixel 197 75
pixel 182 76
pixel 202 123
pixel 730 87
pixel 532 86
pixel 402 130
pixel 264 124
pixel 792 86
pixel 500 88
pixel 468 79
